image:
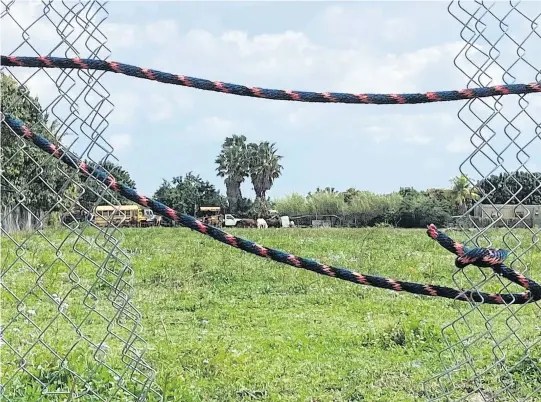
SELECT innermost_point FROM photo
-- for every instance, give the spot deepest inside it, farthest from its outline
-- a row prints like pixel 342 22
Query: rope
pixel 276 94
pixel 481 257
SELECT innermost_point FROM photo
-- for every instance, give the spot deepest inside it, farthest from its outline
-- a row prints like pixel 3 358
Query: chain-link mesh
pixel 494 353
pixel 68 328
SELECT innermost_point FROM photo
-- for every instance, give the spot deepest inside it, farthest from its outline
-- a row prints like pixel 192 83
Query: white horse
pixel 262 223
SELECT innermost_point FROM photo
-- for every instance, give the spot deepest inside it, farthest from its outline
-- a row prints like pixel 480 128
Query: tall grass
pixel 222 325
pixel 364 206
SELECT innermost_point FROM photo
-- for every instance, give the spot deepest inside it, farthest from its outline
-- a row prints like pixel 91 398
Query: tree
pixel 188 193
pixel 462 193
pixel 366 208
pixel 264 167
pixel 522 186
pixel 411 199
pixel 350 194
pixel 326 202
pixel 94 193
pixel 409 192
pixel 27 171
pixel 294 204
pixel 326 190
pixel 234 168
pixel 430 210
pixel 440 194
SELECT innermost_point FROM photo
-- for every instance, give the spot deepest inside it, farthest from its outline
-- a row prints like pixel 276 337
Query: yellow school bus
pixel 210 216
pixel 120 215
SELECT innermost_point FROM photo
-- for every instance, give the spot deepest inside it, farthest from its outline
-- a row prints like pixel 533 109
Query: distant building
pixel 530 214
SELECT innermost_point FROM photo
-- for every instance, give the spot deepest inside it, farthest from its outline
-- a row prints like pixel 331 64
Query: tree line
pixel 407 207
pixel 47 189
pixel 34 184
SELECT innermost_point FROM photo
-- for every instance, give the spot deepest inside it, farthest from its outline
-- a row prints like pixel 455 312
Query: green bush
pixel 407 208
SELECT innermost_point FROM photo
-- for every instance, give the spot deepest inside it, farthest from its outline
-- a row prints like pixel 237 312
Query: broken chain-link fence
pixel 69 327
pixel 494 354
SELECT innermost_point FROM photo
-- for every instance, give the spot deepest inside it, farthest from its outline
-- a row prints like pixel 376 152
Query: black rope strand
pixel 266 93
pixel 481 257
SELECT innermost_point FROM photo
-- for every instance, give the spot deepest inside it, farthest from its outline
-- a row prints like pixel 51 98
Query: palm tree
pixel 462 193
pixel 264 167
pixel 233 166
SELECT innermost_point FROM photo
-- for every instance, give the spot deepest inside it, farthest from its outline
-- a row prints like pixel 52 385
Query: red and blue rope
pixel 276 94
pixel 481 257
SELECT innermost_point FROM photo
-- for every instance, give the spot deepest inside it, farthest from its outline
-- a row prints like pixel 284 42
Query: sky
pixel 158 131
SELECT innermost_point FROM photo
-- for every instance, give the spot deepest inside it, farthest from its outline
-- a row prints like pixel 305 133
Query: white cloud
pixel 459 144
pixel 119 35
pixel 300 116
pixel 534 104
pixel 126 107
pixel 213 128
pixel 160 108
pixel 378 133
pixel 397 28
pixel 292 60
pixel 261 44
pixel 417 138
pixel 413 128
pixel 338 51
pixel 26 16
pixel 120 142
pixel 343 23
pixel 161 32
pixel 166 103
pixel 392 73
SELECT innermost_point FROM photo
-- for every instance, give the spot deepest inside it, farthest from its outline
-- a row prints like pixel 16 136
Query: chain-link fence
pixel 494 354
pixel 69 327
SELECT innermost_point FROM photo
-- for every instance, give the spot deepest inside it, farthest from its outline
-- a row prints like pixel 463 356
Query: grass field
pixel 224 325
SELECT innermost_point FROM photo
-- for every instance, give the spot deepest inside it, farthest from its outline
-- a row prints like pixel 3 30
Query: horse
pixel 247 223
pixel 262 223
pixel 274 222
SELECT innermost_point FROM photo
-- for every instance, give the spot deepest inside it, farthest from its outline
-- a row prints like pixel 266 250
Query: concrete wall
pixel 531 213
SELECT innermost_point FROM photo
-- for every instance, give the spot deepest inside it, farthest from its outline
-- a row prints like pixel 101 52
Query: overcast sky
pixel 159 131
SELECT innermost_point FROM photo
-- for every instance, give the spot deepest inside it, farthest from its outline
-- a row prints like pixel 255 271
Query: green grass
pixel 224 325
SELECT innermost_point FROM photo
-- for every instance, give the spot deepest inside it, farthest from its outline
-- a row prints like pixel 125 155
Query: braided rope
pixel 480 257
pixel 276 94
